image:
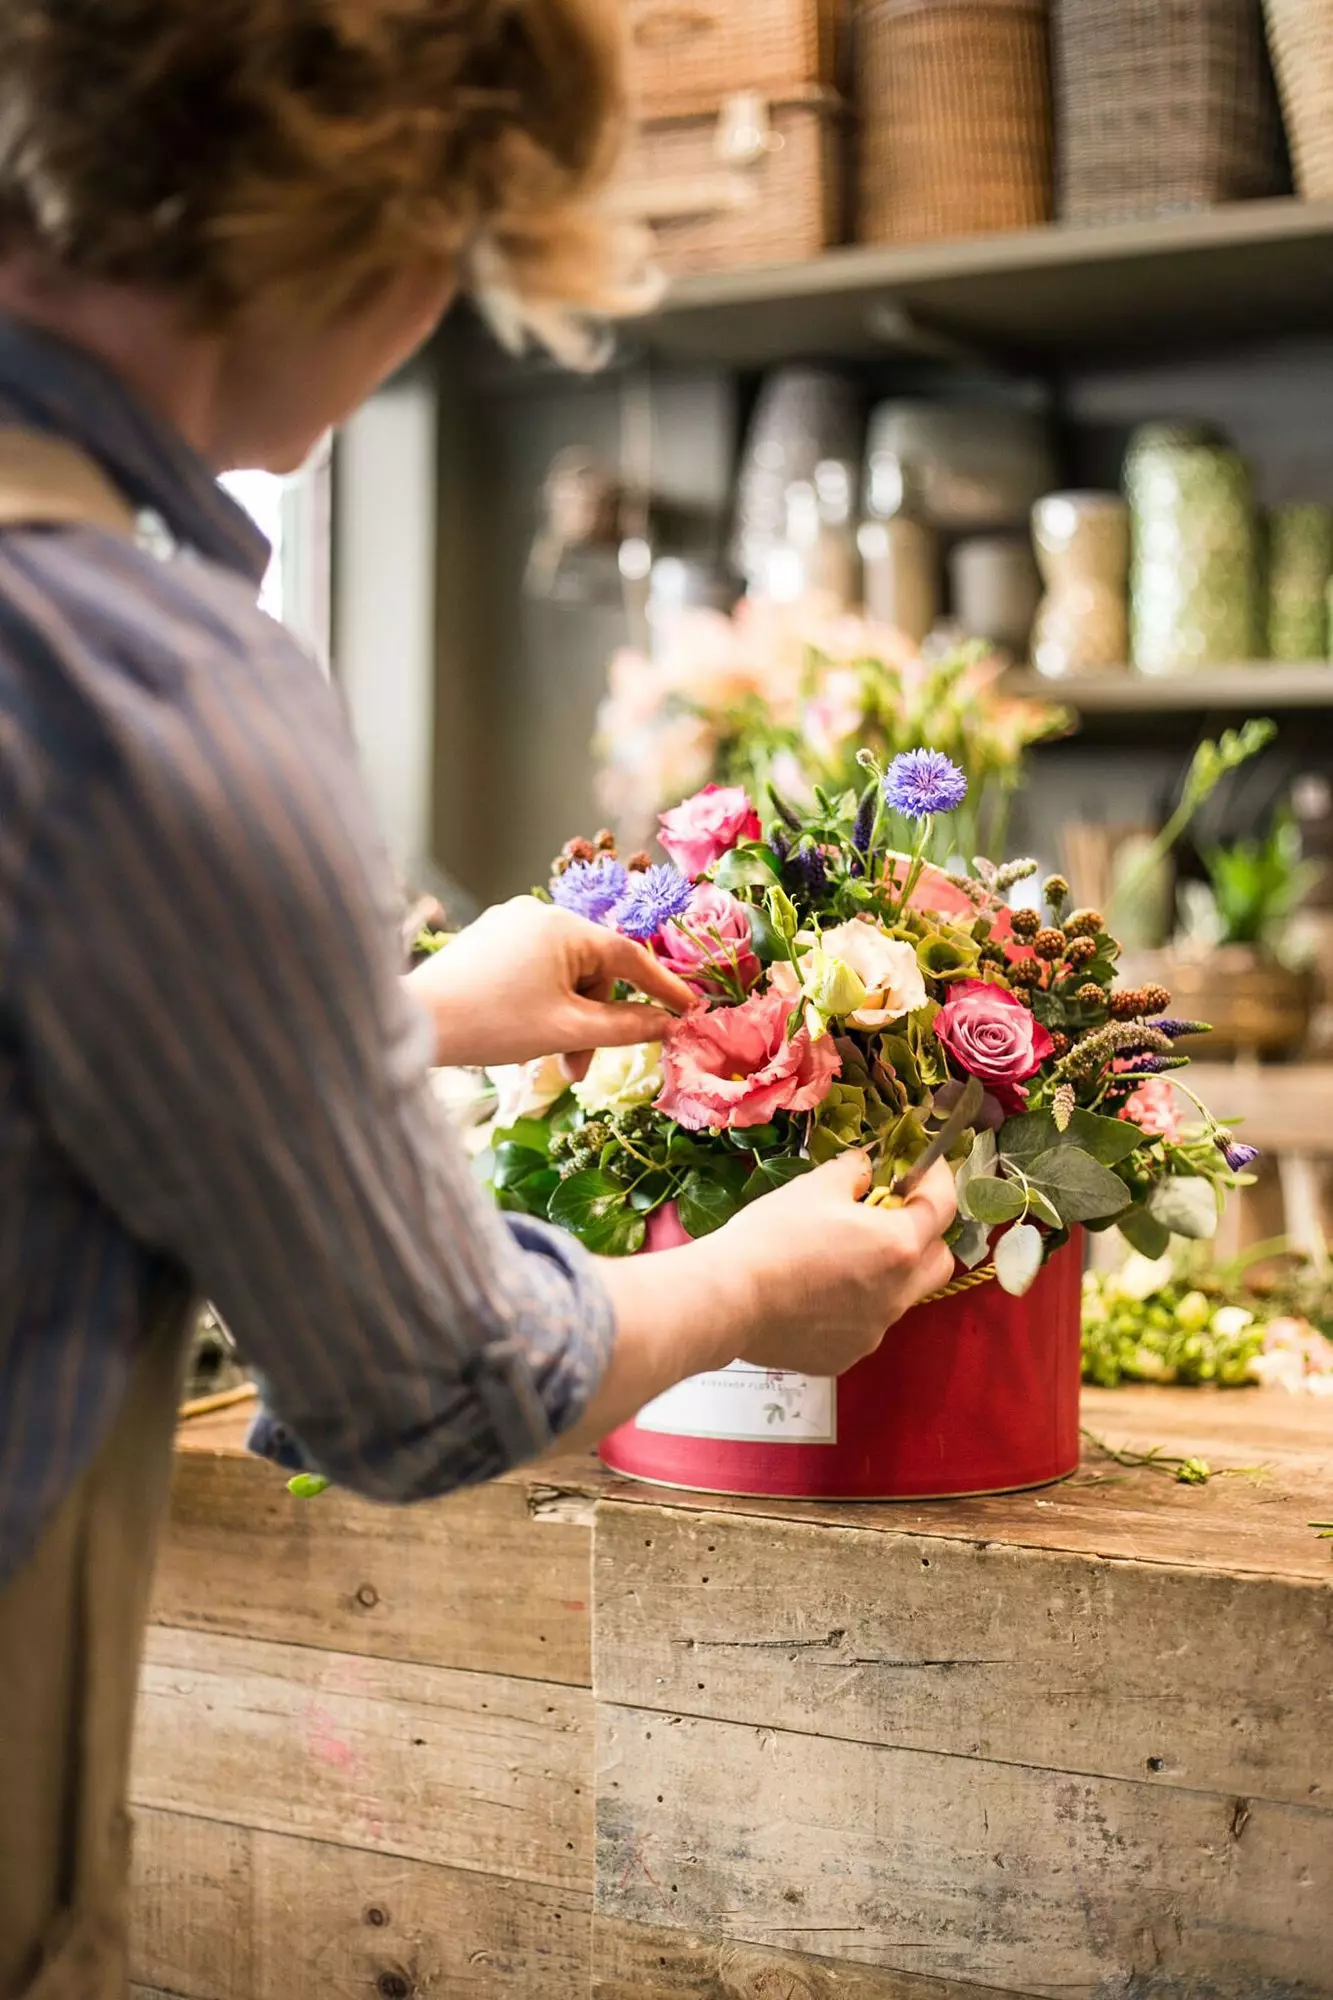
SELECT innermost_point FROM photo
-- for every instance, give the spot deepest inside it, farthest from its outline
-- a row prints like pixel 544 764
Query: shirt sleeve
pixel 208 985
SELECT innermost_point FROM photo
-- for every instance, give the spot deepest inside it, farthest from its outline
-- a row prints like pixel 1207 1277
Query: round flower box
pixel 974 1392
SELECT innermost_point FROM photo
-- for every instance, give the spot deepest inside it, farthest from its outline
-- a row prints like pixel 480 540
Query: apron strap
pixel 47 482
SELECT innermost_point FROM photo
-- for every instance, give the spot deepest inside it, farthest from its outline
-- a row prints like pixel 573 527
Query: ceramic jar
pixel 900 552
pixel 1300 562
pixel 1193 563
pixel 1082 544
pixel 996 590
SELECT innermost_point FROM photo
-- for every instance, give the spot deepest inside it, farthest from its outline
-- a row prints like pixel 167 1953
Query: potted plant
pixel 857 995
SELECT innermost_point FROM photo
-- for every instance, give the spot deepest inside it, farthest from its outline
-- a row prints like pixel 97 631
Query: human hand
pixel 529 980
pixel 831 1274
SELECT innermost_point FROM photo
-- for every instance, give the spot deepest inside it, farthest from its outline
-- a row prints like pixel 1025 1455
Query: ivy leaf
pixel 532 1133
pixel 650 1193
pixel 1080 1188
pixel 1018 1258
pixel 1185 1204
pixel 595 1208
pixel 991 1200
pixel 1142 1233
pixel 531 1196
pixel 514 1164
pixel 772 1174
pixel 748 867
pixel 707 1200
pixel 752 1138
pixel 768 946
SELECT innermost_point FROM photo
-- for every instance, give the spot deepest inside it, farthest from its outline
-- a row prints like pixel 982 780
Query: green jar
pixel 1193 569
pixel 1300 563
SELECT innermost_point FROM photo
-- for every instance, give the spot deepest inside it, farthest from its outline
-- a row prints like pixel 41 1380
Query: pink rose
pixel 711 946
pixel 737 1067
pixel 990 1034
pixel 1155 1109
pixel 701 830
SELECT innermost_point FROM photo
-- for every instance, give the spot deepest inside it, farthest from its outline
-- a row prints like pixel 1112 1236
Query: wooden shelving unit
pixel 1254 687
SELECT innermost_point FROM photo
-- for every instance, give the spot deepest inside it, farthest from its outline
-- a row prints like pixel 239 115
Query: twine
pixel 880 1197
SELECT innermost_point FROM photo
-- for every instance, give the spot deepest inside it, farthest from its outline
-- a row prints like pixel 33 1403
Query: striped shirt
pixel 212 1081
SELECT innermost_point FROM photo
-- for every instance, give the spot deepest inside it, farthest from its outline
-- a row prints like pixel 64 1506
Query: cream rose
pixel 527 1090
pixel 622 1079
pixel 885 966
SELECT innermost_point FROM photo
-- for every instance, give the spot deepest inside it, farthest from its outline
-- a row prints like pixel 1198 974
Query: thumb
pixel 847 1178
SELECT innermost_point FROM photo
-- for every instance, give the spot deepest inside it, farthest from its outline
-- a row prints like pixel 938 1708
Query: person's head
pixel 298 187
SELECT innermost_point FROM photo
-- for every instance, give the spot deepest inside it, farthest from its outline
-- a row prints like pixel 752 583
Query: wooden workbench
pixel 568 1736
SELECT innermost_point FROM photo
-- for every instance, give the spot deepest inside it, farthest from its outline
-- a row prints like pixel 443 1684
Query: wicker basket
pixel 1300 33
pixel 1162 105
pixel 751 183
pixel 954 102
pixel 684 54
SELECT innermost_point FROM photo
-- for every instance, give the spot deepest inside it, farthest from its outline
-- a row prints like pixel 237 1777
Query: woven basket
pixel 721 193
pixel 954 101
pixel 1162 105
pixel 685 55
pixel 1300 33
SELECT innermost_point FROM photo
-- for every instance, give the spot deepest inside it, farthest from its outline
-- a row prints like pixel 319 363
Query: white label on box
pixel 746 1404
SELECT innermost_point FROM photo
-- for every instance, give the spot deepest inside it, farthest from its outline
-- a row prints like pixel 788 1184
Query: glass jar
pixel 1082 544
pixel 1193 582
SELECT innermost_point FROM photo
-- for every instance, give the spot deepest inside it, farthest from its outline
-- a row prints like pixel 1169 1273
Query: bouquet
pixel 780 694
pixel 853 994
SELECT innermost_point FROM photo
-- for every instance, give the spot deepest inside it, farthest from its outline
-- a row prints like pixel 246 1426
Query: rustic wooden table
pixel 569 1737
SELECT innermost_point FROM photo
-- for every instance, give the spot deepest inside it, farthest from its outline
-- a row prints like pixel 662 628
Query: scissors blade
pixel 963 1114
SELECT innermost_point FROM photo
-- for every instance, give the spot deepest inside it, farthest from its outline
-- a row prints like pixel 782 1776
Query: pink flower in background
pixel 835 715
pixel 1155 1109
pixel 702 829
pixel 710 946
pixel 737 1066
pixel 992 1035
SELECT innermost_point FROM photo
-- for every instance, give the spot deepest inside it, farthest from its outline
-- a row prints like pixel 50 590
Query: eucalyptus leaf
pixel 981 1160
pixel 970 1243
pixel 1106 1140
pixel 1185 1204
pixel 1018 1258
pixel 1079 1186
pixel 990 1200
pixel 1142 1233
pixel 1044 1209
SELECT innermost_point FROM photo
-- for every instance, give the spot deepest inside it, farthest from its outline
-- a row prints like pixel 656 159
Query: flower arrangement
pixel 779 694
pixel 1168 1320
pixel 850 993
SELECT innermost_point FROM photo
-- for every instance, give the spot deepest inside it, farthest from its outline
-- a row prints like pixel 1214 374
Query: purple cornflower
pixel 591 888
pixel 652 898
pixel 923 782
pixel 1237 1155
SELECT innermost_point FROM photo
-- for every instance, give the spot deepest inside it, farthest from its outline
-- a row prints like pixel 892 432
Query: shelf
pixel 1254 688
pixel 1250 269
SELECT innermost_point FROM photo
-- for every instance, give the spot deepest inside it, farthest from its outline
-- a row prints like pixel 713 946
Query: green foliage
pixel 1258 884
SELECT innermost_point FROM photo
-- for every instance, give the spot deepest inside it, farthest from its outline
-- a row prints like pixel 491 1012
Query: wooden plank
pixel 1069 1663
pixel 1282 1107
pixel 467 1770
pixel 1250 687
pixel 648 1962
pixel 1035 1882
pixel 489 1581
pixel 304 1917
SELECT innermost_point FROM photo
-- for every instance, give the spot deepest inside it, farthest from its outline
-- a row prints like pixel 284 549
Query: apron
pixel 72 1618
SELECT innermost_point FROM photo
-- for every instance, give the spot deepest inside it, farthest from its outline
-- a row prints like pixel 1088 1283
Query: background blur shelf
pixel 1213 275
pixel 1254 688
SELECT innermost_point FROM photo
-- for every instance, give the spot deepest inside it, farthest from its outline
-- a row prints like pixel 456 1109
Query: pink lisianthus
pixel 1155 1109
pixel 992 1035
pixel 737 1066
pixel 702 829
pixel 710 946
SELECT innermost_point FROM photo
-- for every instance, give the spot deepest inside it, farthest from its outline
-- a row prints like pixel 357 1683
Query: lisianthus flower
pixel 920 783
pixel 527 1089
pixel 621 1079
pixel 991 1035
pixel 737 1066
pixel 700 830
pixel 1155 1109
pixel 652 897
pixel 711 945
pixel 591 888
pixel 886 967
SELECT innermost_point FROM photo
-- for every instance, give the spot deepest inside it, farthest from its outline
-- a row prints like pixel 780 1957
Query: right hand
pixel 830 1274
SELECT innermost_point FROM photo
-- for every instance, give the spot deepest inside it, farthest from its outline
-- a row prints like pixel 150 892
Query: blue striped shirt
pixel 212 1081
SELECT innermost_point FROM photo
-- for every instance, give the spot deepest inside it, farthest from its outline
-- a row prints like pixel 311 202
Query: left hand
pixel 528 980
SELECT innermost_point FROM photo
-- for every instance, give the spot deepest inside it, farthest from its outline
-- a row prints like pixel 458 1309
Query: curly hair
pixel 298 152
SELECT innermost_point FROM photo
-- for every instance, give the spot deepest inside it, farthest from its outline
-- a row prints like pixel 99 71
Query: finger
pixel 848 1177
pixel 574 1066
pixel 931 1207
pixel 617 1024
pixel 931 1274
pixel 623 959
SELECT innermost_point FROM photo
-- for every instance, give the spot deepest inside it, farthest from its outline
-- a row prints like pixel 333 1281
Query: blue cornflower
pixel 591 888
pixel 923 782
pixel 653 897
pixel 1237 1155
